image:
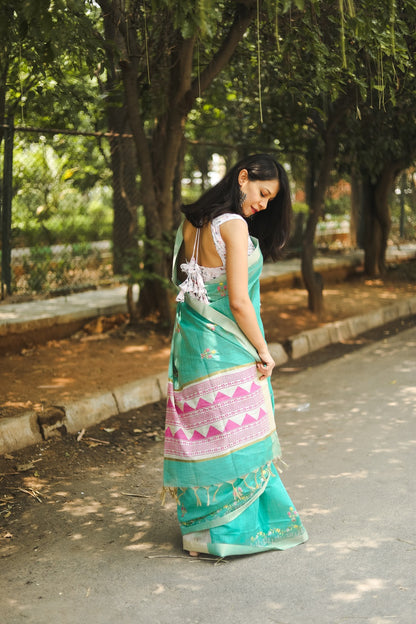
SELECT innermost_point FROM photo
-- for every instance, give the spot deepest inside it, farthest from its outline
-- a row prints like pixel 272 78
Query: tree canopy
pixel 325 86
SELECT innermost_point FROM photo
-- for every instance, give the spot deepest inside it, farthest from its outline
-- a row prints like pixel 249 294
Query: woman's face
pixel 256 193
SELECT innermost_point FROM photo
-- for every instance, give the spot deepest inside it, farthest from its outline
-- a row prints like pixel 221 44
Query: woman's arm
pixel 235 236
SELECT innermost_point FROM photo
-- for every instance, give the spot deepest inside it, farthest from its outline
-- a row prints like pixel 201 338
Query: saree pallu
pixel 220 434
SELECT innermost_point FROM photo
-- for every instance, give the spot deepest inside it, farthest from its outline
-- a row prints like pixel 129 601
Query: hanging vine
pixel 146 44
pixel 380 79
pixel 392 25
pixel 199 67
pixel 342 18
pixel 351 13
pixel 276 24
pixel 259 62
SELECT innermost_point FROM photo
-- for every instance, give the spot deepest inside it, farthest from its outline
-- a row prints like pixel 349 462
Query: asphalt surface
pixel 348 432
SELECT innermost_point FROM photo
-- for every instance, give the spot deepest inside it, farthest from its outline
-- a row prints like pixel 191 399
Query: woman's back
pixel 212 250
pixel 208 255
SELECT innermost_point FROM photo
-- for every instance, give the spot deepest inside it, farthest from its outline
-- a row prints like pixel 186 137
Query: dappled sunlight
pixel 409 394
pixel 115 475
pixel 390 296
pixel 120 518
pixel 122 511
pixel 81 507
pixel 58 382
pixel 17 404
pixel 285 311
pixel 191 587
pixel 344 548
pixel 315 510
pixel 95 506
pixel 135 349
pixel 356 589
pixel 143 546
pixel 361 474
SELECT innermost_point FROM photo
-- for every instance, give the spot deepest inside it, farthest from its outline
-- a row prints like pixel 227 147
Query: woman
pixel 220 436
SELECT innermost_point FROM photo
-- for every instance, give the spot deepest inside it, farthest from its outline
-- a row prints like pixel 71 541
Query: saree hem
pixel 192 542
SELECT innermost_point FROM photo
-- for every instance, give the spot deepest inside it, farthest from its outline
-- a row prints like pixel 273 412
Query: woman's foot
pixel 193 553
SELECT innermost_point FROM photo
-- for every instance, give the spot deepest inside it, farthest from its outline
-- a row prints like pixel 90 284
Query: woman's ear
pixel 242 176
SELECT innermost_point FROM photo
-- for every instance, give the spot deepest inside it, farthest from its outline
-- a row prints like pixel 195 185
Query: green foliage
pixel 314 55
pixel 150 254
pixel 56 200
pixel 300 207
pixel 304 77
pixel 339 206
pixel 35 37
pixel 45 269
pixel 37 268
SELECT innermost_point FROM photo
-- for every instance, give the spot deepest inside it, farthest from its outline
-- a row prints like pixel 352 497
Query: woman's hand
pixel 266 364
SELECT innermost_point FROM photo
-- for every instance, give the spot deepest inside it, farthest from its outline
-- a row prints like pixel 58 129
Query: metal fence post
pixel 6 213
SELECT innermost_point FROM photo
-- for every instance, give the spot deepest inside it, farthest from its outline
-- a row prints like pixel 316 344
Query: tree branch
pixel 182 71
pixel 244 14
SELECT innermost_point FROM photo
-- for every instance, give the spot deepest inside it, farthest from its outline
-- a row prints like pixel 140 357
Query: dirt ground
pixel 108 353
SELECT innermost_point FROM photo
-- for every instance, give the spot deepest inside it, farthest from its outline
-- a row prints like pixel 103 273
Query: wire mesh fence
pixel 57 211
pixel 70 211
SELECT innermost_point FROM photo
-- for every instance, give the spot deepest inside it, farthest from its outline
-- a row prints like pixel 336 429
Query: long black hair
pixel 272 226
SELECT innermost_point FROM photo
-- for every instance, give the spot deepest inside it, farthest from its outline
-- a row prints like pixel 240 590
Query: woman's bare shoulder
pixel 187 226
pixel 234 229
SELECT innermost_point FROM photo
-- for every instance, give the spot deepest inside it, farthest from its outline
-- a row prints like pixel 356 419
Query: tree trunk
pixel 315 190
pixel 311 279
pixel 123 165
pixel 177 185
pixel 355 212
pixel 377 220
pixel 125 199
pixel 159 144
pixel 153 297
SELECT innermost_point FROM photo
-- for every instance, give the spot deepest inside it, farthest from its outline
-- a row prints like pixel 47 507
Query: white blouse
pixel 197 275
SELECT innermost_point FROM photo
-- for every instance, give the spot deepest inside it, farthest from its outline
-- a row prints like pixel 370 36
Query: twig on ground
pixel 80 435
pixel 136 495
pixel 28 466
pixel 96 441
pixel 34 493
pixel 210 559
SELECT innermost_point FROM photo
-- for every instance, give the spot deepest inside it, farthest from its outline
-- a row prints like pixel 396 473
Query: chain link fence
pixel 70 211
pixel 56 212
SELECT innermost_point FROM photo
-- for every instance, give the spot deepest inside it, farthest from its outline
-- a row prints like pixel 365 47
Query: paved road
pixel 348 430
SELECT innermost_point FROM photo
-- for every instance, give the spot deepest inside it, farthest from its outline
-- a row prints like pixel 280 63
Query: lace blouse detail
pixel 216 235
pixel 194 282
pixel 197 275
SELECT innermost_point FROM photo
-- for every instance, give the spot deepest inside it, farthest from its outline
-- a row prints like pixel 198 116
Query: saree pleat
pixel 220 434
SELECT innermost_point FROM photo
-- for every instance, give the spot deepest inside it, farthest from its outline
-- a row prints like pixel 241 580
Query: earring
pixel 243 197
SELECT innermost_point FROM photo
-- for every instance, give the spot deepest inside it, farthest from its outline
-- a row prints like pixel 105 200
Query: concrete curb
pixel 30 427
pixel 18 432
pixel 20 318
pixel 332 333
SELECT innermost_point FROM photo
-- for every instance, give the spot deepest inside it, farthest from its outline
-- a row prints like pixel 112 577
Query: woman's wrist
pixel 263 352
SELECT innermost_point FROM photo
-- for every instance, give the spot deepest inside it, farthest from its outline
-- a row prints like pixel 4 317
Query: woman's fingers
pixel 265 368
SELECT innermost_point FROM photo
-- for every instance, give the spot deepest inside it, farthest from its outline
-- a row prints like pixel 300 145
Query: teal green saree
pixel 220 434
